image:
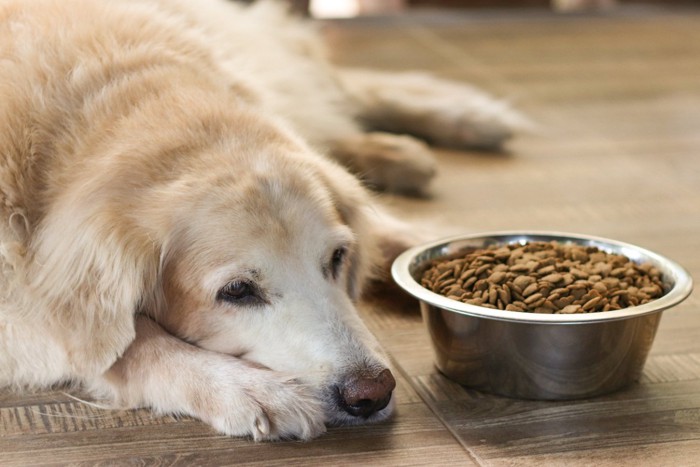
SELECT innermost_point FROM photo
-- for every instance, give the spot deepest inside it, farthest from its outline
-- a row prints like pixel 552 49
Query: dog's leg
pixel 30 354
pixel 442 112
pixel 235 397
pixel 387 162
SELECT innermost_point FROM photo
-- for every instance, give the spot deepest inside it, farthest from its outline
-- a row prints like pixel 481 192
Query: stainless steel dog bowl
pixel 538 356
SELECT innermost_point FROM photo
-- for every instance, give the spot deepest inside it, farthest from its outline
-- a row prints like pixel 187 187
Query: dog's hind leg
pixel 442 112
pixel 388 162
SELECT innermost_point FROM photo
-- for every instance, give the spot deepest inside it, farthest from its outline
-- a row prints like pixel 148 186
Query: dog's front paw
pixel 265 406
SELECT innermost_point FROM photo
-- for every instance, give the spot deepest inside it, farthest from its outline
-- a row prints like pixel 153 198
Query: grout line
pixel 470 453
pixel 457 57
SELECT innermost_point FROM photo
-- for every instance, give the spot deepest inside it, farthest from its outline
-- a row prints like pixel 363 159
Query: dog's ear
pixel 89 272
pixel 380 236
pixel 356 209
pixel 352 204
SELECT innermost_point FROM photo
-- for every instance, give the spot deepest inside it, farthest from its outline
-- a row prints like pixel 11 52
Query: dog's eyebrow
pixel 254 274
pixel 342 236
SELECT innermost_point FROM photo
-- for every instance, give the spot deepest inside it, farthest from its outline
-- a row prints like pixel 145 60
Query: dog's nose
pixel 362 396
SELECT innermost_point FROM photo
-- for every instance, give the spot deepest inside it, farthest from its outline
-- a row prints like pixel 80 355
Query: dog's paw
pixel 441 111
pixel 265 406
pixel 394 163
pixel 454 114
pixel 476 120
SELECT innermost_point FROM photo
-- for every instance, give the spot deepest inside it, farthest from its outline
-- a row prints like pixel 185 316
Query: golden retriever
pixel 171 235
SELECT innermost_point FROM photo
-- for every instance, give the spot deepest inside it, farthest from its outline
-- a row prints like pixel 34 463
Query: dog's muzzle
pixel 363 396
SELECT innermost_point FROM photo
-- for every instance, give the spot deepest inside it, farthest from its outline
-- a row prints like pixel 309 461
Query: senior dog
pixel 177 229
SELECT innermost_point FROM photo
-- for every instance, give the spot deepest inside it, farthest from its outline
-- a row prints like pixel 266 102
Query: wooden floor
pixel 618 101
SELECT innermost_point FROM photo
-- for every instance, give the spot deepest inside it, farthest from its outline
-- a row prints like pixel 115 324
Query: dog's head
pixel 233 236
pixel 263 259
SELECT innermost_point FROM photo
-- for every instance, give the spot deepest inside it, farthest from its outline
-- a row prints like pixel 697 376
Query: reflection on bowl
pixel 539 356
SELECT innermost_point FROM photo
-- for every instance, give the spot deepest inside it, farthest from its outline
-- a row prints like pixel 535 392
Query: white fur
pixel 152 154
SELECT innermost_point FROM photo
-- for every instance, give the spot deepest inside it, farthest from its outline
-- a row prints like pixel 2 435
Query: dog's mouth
pixel 361 399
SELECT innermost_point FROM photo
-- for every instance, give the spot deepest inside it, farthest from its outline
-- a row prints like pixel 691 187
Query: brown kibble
pixel 497 277
pixel 563 302
pixel 544 277
pixel 504 294
pixel 596 257
pixel 482 269
pixel 533 298
pixel 485 259
pixel 618 272
pixel 553 278
pixel 578 254
pixel 578 274
pixel 530 289
pixel 467 274
pixel 578 293
pixel 493 295
pixel 590 304
pixel 502 253
pixel 469 282
pixel 569 309
pixel 444 275
pixel 567 279
pixel 651 290
pixel 523 281
pixel 592 294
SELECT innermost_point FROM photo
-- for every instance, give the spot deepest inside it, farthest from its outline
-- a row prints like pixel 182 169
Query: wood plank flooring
pixel 617 98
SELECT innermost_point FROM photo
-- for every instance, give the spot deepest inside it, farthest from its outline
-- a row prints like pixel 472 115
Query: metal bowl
pixel 539 356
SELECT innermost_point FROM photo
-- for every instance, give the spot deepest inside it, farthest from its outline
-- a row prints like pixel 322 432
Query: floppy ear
pixel 88 274
pixel 380 236
pixel 352 203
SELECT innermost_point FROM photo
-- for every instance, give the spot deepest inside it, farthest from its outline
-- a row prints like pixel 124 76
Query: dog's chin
pixel 336 416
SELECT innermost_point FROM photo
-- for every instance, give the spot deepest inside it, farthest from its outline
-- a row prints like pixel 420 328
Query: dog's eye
pixel 240 292
pixel 337 261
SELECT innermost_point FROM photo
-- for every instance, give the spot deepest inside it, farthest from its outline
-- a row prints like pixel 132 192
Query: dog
pixel 185 221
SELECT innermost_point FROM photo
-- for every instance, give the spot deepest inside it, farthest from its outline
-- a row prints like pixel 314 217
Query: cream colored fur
pixel 152 154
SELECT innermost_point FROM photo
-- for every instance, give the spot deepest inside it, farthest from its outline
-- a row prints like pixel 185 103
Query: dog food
pixel 544 277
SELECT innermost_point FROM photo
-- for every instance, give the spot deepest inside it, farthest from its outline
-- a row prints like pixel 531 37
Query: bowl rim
pixel 681 279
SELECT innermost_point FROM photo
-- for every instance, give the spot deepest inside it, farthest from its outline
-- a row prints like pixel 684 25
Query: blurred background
pixel 350 8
